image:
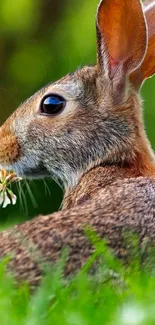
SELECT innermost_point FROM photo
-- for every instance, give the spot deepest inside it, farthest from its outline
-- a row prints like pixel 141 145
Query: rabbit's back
pixel 118 209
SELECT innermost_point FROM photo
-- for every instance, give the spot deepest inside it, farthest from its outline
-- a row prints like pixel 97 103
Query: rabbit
pixel 86 130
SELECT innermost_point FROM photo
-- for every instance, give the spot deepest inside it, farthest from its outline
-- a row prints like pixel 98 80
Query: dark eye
pixel 52 104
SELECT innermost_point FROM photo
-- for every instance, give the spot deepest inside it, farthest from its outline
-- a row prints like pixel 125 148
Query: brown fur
pixel 9 149
pixel 109 211
pixel 97 147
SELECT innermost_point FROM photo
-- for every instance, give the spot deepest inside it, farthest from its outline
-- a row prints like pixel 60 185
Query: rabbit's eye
pixel 52 105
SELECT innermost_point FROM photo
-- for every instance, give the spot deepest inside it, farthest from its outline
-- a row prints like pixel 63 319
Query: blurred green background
pixel 40 41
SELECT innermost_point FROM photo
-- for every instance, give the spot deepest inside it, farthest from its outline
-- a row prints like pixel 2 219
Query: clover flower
pixel 6 195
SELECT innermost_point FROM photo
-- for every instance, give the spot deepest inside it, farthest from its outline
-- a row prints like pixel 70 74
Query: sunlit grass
pixel 113 295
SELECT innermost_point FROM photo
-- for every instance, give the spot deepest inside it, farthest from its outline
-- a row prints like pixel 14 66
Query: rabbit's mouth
pixel 27 168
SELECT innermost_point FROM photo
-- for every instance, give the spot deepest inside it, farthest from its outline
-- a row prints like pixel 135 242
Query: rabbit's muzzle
pixel 9 147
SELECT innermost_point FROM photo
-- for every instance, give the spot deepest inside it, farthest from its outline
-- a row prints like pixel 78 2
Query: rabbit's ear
pixel 122 38
pixel 147 69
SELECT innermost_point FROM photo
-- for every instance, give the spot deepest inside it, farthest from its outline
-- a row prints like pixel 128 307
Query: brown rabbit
pixel 87 131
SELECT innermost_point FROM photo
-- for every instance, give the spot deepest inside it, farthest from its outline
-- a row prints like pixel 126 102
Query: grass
pixel 113 295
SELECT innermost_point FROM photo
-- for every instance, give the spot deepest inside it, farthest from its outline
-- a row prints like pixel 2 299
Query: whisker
pixel 34 202
pixel 47 189
pixel 22 199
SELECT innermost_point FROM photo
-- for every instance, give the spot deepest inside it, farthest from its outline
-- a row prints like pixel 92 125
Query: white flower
pixel 6 195
pixel 6 200
pixel 13 197
pixel 1 198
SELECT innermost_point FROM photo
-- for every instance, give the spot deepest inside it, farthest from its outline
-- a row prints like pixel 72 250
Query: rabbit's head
pixel 92 116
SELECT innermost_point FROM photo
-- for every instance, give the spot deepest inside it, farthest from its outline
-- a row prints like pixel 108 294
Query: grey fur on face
pixel 86 134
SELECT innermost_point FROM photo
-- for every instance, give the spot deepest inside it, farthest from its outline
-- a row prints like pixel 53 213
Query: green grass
pixel 113 295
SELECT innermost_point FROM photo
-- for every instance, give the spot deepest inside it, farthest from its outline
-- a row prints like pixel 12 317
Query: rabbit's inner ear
pixel 122 38
pixel 147 68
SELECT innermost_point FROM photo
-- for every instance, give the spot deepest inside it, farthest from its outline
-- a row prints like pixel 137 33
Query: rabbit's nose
pixel 9 146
